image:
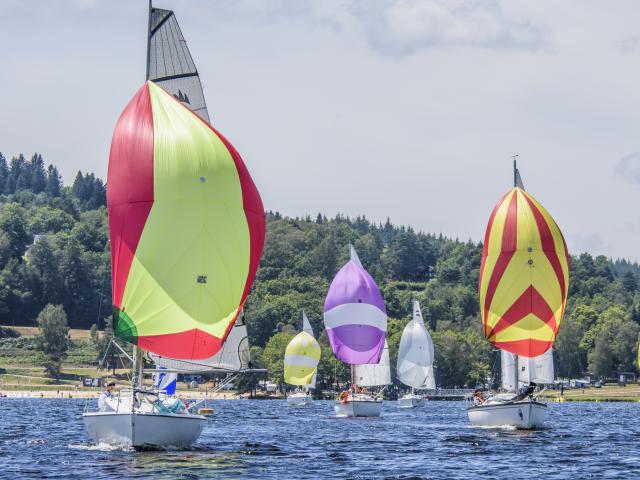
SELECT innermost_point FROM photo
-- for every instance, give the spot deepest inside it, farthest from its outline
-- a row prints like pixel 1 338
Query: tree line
pixel 54 249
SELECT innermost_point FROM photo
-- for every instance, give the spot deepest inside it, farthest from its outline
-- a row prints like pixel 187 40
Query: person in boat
pixel 103 404
pixel 478 397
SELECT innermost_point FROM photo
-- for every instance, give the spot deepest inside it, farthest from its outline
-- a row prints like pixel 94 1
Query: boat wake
pixel 103 447
pixel 494 427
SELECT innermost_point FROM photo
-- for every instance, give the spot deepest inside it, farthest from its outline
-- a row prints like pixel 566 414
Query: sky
pixel 407 109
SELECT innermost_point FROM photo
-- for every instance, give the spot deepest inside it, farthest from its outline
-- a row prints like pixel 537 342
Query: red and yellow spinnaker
pixel 187 228
pixel 524 276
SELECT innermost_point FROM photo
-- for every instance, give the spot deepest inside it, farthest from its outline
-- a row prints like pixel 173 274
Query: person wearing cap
pixel 103 405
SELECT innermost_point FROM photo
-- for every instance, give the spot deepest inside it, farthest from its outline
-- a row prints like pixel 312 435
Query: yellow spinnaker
pixel 524 276
pixel 301 359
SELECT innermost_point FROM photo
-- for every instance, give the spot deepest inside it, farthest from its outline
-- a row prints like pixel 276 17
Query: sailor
pixel 103 405
pixel 478 397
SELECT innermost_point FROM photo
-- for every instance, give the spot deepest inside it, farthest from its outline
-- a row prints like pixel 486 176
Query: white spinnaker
pixel 536 369
pixel 171 65
pixel 375 374
pixel 306 327
pixel 415 354
pixel 233 356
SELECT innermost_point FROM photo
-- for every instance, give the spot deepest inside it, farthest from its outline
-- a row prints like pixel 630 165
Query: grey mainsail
pixel 170 64
pixel 233 357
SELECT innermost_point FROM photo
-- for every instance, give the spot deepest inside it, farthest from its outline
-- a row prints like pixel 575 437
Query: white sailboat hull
pixel 358 408
pixel 144 430
pixel 299 400
pixel 411 401
pixel 524 415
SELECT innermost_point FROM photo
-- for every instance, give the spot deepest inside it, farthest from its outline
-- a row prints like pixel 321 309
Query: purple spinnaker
pixel 355 316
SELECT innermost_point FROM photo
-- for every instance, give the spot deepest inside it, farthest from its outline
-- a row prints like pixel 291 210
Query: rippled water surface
pixel 42 438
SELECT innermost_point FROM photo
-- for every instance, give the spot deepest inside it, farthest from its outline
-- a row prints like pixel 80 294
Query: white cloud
pixel 628 167
pixel 407 26
pixel 630 44
pixel 403 27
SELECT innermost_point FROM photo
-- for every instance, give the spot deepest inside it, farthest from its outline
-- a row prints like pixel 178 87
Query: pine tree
pixel 4 172
pixel 37 174
pixel 53 182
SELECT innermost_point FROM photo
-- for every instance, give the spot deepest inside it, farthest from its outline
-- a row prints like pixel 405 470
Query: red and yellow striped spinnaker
pixel 524 276
pixel 187 228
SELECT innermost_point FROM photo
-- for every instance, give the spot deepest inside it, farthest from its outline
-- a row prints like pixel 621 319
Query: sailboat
pixel 187 228
pixel 524 279
pixel 355 319
pixel 301 359
pixel 415 360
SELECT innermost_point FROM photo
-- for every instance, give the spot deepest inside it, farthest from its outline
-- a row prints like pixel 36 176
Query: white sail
pixel 508 368
pixel 170 64
pixel 376 374
pixel 306 327
pixel 536 369
pixel 233 357
pixel 415 354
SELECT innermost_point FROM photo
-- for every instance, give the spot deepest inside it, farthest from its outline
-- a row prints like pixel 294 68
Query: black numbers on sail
pixel 202 279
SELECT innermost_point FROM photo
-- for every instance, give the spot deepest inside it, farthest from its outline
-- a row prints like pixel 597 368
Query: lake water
pixel 42 438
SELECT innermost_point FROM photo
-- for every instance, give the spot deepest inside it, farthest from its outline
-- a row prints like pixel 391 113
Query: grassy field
pixel 608 393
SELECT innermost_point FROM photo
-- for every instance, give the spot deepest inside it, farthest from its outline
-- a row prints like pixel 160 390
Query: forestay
pixel 170 62
pixel 375 375
pixel 415 353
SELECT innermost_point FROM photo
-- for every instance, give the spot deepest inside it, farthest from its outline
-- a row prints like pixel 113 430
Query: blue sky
pixel 407 109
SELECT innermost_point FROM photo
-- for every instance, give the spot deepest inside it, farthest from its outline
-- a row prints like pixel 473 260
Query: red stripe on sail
pixel 509 243
pixel 192 344
pixel 487 235
pixel 529 302
pixel 549 246
pixel 129 186
pixel 525 348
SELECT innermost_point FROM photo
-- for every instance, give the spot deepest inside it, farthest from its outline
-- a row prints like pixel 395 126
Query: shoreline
pixel 94 394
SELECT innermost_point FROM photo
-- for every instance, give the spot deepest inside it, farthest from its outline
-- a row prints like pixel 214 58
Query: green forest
pixel 54 249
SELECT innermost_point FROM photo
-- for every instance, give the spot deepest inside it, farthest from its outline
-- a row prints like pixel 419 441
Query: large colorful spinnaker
pixel 355 317
pixel 187 228
pixel 301 357
pixel 415 353
pixel 524 276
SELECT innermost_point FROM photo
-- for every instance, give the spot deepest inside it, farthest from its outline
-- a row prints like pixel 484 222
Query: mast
pixel 353 383
pixel 149 39
pixel 515 170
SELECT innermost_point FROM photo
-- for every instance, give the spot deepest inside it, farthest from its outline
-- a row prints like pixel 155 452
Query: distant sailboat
pixel 355 320
pixel 524 279
pixel 300 363
pixel 415 360
pixel 186 225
